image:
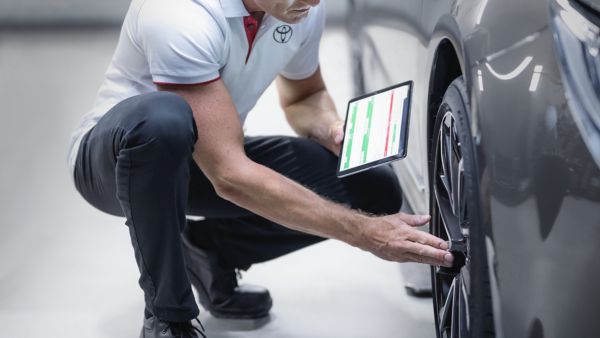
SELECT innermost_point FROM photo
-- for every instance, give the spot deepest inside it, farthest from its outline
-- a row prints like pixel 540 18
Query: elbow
pixel 232 179
pixel 225 187
pixel 228 184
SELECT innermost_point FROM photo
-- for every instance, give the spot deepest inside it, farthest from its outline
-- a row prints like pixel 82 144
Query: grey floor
pixel 67 270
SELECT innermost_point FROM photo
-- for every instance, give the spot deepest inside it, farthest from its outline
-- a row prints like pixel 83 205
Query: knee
pixel 164 118
pixel 391 192
pixel 376 191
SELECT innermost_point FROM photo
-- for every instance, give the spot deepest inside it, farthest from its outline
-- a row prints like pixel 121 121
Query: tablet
pixel 376 129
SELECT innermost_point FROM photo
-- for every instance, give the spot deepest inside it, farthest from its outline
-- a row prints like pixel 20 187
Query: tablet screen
pixel 376 129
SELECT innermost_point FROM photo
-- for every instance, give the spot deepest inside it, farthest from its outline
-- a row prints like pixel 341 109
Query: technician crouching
pixel 165 140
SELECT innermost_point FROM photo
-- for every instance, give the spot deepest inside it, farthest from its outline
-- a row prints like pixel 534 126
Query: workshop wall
pixel 62 12
pixel 90 12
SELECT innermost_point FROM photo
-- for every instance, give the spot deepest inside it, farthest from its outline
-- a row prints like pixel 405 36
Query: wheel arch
pixel 447 63
pixel 446 67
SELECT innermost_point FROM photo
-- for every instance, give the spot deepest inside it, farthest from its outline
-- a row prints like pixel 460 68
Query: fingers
pixel 414 220
pixel 425 238
pixel 422 259
pixel 339 136
pixel 404 218
pixel 402 242
pixel 337 132
pixel 429 255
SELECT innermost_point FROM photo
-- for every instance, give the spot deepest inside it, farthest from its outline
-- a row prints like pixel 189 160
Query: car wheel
pixel 461 294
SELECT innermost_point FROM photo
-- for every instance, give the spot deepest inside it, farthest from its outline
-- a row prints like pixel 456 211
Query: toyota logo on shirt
pixel 283 33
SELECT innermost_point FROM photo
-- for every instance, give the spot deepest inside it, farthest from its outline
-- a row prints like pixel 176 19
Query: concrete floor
pixel 67 270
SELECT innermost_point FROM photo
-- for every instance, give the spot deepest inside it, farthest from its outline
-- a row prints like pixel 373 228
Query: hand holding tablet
pixel 376 129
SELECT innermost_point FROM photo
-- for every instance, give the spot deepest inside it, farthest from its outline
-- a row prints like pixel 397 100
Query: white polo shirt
pixel 198 41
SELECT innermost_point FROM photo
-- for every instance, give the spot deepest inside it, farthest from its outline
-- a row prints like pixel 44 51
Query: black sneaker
pixel 155 328
pixel 218 289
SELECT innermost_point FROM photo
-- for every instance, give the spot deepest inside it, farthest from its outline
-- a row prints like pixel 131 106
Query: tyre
pixel 461 294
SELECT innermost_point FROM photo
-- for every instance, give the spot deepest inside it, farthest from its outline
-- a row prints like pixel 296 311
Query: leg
pixel 242 238
pixel 135 163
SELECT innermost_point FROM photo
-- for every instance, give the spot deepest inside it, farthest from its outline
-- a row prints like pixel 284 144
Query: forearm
pixel 312 116
pixel 273 196
pixel 281 200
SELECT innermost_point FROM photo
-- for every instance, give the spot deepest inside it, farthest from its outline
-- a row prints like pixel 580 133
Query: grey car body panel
pixel 539 186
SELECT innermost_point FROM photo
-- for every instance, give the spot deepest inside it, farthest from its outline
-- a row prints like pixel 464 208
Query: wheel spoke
pixel 464 308
pixel 454 161
pixel 454 331
pixel 446 311
pixel 448 144
pixel 444 177
pixel 449 220
pixel 450 156
pixel 461 187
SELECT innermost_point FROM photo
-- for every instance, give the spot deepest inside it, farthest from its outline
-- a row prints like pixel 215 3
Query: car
pixel 504 153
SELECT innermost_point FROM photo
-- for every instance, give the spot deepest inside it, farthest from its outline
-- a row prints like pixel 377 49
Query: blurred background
pixel 68 270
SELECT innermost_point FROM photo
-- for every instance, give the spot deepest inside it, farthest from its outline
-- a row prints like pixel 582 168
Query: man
pixel 165 140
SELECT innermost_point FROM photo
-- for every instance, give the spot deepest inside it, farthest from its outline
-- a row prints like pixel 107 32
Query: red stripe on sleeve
pixel 187 84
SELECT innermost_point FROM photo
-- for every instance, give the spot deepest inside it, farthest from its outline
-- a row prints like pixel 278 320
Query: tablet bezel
pixel 403 145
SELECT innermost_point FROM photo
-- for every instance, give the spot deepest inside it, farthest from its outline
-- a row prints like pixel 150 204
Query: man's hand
pixel 310 111
pixel 394 238
pixel 335 136
pixel 329 136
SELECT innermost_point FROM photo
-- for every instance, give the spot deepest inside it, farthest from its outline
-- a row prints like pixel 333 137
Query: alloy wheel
pixel 450 221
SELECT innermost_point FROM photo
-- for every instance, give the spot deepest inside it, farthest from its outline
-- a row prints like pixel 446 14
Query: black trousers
pixel 137 163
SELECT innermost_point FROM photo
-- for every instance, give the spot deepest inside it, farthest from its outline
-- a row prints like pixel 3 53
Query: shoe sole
pixel 193 275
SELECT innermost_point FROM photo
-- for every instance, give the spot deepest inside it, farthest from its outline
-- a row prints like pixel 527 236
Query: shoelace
pixel 186 328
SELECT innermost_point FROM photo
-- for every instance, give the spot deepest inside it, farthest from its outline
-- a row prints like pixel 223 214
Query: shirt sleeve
pixel 306 61
pixel 183 44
